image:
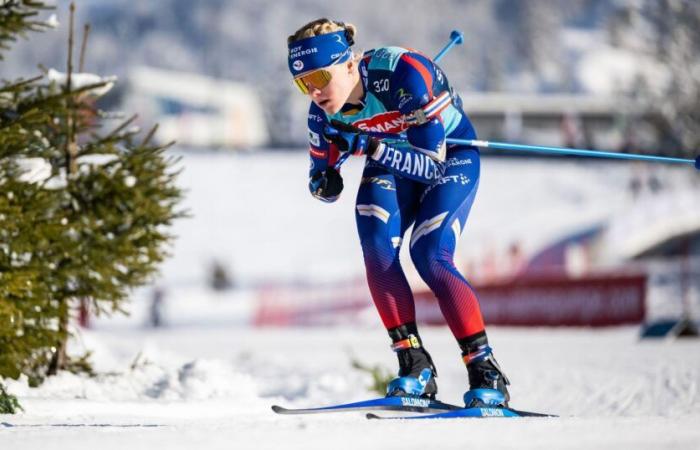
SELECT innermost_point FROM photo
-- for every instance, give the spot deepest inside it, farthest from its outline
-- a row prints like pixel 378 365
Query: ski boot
pixel 487 382
pixel 416 369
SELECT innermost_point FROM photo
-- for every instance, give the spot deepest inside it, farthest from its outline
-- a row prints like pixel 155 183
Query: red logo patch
pixel 316 153
pixel 388 122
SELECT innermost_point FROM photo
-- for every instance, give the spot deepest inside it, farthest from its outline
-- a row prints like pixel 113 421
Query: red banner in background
pixel 542 301
pixel 553 301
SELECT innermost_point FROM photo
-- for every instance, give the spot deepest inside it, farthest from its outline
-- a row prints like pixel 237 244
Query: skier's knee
pixel 379 252
pixel 424 258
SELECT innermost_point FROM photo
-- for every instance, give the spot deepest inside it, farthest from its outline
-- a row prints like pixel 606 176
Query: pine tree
pixel 17 17
pixel 24 336
pixel 88 223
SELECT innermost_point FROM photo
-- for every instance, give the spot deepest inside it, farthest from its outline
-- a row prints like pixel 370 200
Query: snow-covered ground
pixel 212 388
pixel 208 378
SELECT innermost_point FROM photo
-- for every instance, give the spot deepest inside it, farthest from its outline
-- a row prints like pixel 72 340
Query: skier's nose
pixel 314 92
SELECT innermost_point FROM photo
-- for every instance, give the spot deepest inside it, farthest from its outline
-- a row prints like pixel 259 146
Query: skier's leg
pixel 383 213
pixel 385 209
pixel 441 218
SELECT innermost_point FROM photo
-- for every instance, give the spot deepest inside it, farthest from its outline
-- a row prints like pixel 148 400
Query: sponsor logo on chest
pixel 388 122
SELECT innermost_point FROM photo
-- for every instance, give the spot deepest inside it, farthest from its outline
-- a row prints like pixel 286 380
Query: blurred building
pixel 569 120
pixel 197 111
pixel 583 121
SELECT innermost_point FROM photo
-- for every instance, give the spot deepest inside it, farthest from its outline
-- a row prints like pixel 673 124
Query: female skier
pixel 419 181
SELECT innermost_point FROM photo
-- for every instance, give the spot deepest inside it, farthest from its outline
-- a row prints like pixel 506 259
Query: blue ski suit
pixel 420 181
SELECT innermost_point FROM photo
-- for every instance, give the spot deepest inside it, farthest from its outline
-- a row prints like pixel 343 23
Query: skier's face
pixel 334 94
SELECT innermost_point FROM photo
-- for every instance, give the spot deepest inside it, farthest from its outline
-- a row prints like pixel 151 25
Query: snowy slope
pixel 213 387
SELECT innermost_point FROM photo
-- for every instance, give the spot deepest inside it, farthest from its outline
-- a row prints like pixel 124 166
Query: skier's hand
pixel 326 185
pixel 349 138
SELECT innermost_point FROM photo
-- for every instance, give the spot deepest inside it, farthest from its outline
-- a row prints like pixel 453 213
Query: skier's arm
pixel 399 157
pixel 325 183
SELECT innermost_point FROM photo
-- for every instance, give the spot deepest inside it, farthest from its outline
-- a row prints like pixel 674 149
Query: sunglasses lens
pixel 301 86
pixel 317 79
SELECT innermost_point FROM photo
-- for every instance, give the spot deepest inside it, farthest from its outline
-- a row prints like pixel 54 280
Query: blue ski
pixel 411 404
pixel 473 413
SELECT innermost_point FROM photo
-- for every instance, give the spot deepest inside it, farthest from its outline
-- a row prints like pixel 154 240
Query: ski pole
pixel 456 38
pixel 572 151
pixel 554 150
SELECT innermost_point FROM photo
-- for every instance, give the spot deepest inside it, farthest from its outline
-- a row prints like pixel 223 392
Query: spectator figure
pixel 219 277
pixel 516 260
pixel 155 316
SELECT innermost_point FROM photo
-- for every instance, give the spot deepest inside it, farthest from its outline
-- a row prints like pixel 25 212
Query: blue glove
pixel 326 185
pixel 349 138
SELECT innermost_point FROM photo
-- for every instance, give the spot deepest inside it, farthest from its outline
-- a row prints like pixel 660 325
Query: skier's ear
pixel 353 63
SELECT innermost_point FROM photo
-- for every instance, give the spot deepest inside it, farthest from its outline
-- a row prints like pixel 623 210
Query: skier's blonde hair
pixel 323 26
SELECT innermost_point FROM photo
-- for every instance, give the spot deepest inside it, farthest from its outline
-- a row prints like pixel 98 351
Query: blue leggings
pixel 387 206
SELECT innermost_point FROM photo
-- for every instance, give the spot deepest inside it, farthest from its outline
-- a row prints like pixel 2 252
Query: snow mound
pixel 194 380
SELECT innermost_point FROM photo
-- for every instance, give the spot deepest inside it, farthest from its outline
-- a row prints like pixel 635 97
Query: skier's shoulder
pixel 384 58
pixel 400 66
pixel 389 58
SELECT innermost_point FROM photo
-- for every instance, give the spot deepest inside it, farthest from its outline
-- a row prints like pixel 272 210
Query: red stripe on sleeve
pixel 424 72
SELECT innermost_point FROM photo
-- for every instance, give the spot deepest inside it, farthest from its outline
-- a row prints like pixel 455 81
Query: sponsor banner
pixel 592 301
pixel 553 301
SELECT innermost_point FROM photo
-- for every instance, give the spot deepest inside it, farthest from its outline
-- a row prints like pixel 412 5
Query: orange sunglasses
pixel 317 79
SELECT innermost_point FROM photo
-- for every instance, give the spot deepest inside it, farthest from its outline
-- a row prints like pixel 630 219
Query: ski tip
pixel 697 162
pixel 278 409
pixel 372 416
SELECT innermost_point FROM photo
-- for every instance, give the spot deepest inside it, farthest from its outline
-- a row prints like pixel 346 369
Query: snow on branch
pixel 81 80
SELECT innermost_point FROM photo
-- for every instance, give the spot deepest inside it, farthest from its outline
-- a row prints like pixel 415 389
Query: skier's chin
pixel 329 107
